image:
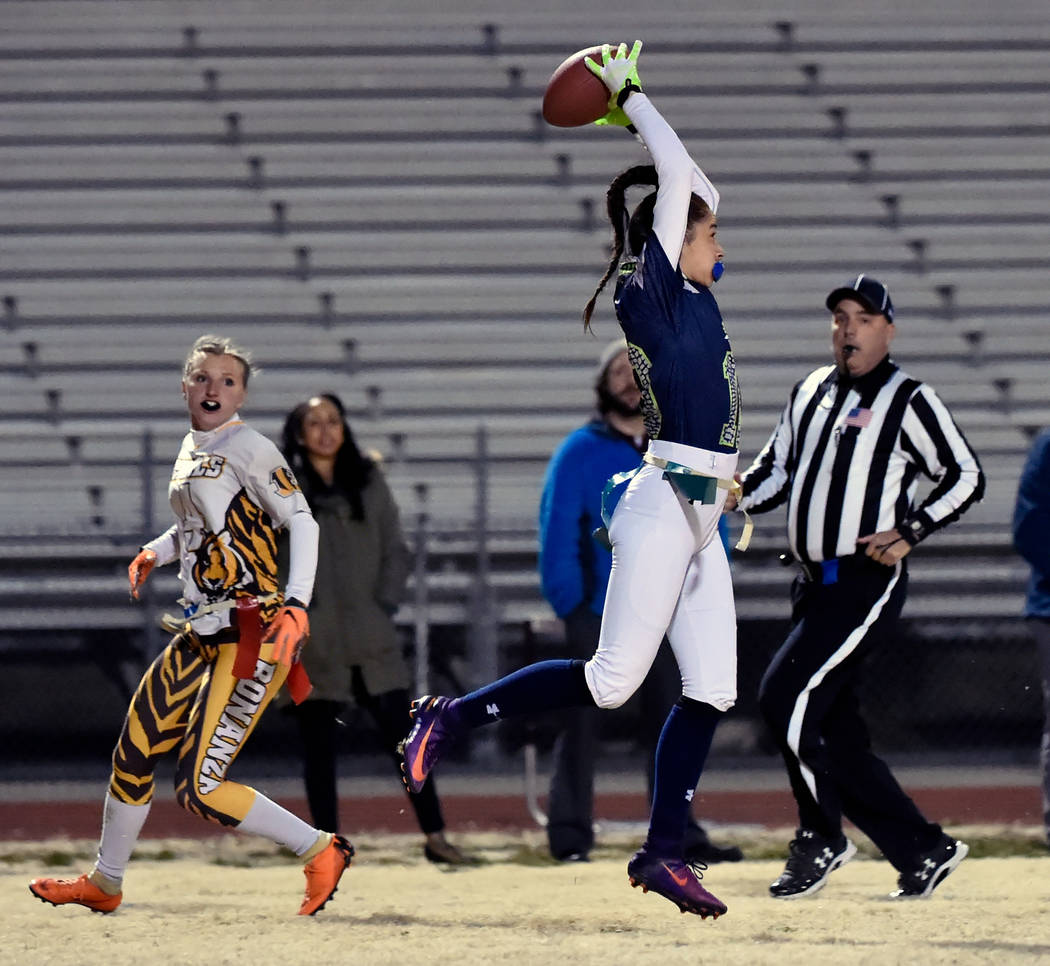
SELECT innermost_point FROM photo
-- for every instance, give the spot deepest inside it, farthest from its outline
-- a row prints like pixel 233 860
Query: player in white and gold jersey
pixel 231 491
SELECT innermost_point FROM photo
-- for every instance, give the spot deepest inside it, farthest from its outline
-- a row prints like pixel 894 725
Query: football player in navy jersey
pixel 669 572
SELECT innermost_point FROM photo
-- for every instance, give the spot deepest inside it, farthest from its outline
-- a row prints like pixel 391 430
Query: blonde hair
pixel 219 345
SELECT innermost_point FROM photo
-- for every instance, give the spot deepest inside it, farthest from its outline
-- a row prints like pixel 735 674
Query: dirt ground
pixel 233 900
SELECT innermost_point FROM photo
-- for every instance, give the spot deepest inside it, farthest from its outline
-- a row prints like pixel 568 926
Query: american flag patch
pixel 858 417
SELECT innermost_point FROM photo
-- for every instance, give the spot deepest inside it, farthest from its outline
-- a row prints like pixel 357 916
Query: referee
pixel 846 456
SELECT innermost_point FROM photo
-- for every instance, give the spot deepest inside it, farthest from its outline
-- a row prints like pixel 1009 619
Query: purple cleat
pixel 676 880
pixel 421 748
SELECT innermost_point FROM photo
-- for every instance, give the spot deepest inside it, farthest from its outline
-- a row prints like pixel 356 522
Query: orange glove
pixel 288 632
pixel 139 569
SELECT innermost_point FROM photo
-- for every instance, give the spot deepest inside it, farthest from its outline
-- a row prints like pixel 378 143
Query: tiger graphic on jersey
pixel 241 559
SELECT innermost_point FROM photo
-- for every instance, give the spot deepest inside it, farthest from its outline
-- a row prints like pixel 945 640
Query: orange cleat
pixel 81 891
pixel 323 873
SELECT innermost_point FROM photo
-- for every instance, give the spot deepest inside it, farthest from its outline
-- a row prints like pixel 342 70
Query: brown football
pixel 574 96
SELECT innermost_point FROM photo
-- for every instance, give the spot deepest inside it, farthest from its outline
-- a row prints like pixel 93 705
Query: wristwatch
pixel 913 530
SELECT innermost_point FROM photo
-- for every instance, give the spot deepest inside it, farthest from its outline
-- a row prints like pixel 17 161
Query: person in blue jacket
pixel 574 575
pixel 1031 528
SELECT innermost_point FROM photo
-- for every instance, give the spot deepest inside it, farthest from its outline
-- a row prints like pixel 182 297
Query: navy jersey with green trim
pixel 680 352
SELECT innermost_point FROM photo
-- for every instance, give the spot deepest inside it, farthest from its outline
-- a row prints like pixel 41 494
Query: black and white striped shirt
pixel 847 457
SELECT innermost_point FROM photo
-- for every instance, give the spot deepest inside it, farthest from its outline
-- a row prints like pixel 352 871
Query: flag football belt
pixel 248 624
pixel 696 487
pixel 190 609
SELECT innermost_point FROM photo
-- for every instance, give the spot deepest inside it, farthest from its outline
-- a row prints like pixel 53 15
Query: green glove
pixel 616 116
pixel 619 73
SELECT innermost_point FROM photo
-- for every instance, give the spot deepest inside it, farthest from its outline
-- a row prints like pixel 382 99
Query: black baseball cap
pixel 870 292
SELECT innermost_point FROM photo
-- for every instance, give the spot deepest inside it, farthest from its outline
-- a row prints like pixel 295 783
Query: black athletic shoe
pixel 573 857
pixel 931 870
pixel 813 858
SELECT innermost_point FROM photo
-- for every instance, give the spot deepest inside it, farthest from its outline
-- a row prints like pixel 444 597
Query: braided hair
pixel 639 226
pixel 353 469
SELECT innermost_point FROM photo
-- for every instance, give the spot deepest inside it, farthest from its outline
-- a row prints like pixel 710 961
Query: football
pixel 574 96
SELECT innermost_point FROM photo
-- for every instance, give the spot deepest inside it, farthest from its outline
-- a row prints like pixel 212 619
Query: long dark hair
pixel 353 469
pixel 640 224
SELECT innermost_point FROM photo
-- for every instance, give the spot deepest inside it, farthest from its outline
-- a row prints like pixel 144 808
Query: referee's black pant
pixel 809 699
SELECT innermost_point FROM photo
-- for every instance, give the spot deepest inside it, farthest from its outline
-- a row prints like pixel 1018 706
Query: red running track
pixel 26 821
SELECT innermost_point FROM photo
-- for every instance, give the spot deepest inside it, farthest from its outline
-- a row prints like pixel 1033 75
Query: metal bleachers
pixel 387 217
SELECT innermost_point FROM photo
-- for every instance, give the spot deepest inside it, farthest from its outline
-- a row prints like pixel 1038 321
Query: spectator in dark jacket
pixel 354 650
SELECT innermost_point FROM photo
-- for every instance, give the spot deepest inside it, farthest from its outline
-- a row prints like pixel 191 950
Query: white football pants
pixel 669 576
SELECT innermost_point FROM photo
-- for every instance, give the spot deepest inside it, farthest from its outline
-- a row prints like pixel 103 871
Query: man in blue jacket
pixel 574 574
pixel 1032 540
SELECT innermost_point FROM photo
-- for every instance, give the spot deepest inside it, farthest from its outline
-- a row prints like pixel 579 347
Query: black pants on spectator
pixel 319 729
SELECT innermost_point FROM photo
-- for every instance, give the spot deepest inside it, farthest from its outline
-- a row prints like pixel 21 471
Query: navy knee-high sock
pixel 544 686
pixel 680 756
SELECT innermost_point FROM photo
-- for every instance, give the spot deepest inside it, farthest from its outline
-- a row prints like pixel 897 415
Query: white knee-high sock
pixel 270 820
pixel 121 825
